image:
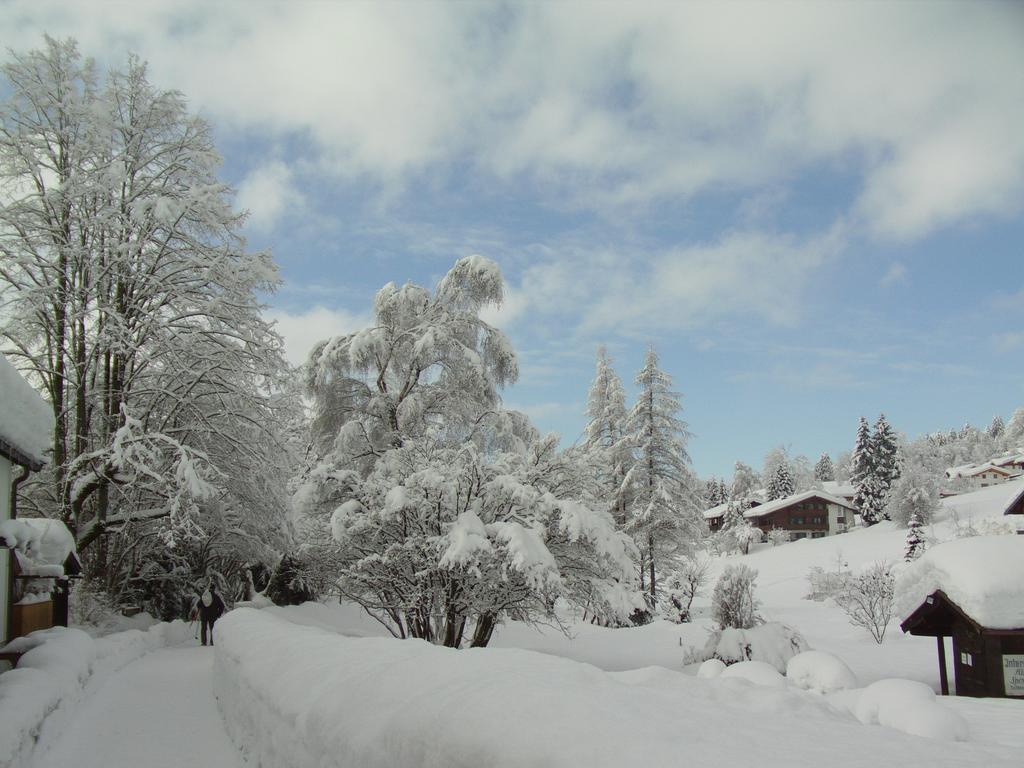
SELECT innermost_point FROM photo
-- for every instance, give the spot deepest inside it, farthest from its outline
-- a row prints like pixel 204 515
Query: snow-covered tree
pixel 916 542
pixel 128 294
pixel 869 498
pixel 448 514
pixel 733 603
pixel 781 484
pixel 867 599
pixel 914 495
pixel 996 428
pixel 1013 435
pixel 664 515
pixel 606 436
pixel 715 493
pixel 823 470
pixel 745 481
pixel 885 458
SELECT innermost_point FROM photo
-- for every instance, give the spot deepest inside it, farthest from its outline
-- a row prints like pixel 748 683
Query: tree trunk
pixel 483 631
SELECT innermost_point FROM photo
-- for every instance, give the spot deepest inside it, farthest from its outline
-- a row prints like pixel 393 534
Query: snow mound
pixel 756 672
pixel 26 421
pixel 772 643
pixel 711 668
pixel 911 707
pixel 820 672
pixel 43 542
pixel 983 575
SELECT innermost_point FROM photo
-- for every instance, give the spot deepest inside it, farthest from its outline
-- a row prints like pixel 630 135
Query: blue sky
pixel 813 211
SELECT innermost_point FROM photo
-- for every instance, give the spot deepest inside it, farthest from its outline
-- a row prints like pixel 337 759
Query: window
pixel 966 659
pixel 796 520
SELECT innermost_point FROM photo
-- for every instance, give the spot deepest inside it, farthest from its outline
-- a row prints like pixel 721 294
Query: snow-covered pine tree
pixel 885 452
pixel 916 542
pixel 863 476
pixel 823 470
pixel 781 483
pixel 606 438
pixel 664 515
pixel 715 493
pixel 996 428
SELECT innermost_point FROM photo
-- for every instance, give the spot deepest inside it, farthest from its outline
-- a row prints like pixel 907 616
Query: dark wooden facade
pixel 984 659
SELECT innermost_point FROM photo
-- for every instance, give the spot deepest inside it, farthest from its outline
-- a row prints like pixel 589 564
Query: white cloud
pixel 607 104
pixel 267 193
pixel 896 273
pixel 301 330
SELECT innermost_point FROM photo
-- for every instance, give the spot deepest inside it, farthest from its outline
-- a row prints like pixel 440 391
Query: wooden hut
pixel 972 590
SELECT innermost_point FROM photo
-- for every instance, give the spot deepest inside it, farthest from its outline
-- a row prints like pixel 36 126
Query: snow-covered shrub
pixel 756 672
pixel 681 586
pixel 778 536
pixel 711 668
pixel 722 542
pixel 824 584
pixel 909 706
pixel 733 603
pixel 820 672
pixel 745 535
pixel 915 493
pixel 772 643
pixel 867 599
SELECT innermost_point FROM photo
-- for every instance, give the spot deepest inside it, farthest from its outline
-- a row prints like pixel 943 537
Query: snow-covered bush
pixel 681 586
pixel 867 599
pixel 733 603
pixel 291 583
pixel 778 536
pixel 820 672
pixel 824 584
pixel 745 535
pixel 711 668
pixel 772 643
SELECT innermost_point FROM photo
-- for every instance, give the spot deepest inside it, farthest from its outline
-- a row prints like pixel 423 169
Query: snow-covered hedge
pixel 772 643
pixel 57 671
pixel 308 698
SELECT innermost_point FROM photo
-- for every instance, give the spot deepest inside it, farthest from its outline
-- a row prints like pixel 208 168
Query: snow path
pixel 157 712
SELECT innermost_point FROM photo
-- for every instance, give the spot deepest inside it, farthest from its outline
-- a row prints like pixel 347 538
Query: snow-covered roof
pixel 836 488
pixel 1010 458
pixel 973 470
pixel 982 575
pixel 774 506
pixel 26 421
pixel 718 511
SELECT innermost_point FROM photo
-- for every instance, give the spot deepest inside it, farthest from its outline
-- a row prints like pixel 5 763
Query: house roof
pixel 26 421
pixel 714 512
pixel 973 470
pixel 836 488
pixel 982 576
pixel 774 506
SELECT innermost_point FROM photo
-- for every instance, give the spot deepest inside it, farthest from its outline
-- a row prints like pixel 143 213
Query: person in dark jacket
pixel 210 607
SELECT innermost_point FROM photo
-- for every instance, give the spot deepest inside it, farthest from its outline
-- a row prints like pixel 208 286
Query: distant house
pixel 26 424
pixel 984 475
pixel 845 491
pixel 811 514
pixel 971 590
pixel 715 517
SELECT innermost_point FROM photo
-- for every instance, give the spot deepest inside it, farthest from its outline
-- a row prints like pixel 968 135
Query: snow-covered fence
pixel 60 667
pixel 308 698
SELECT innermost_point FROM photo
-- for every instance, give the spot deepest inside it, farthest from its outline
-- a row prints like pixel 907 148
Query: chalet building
pixel 811 514
pixel 972 591
pixel 26 422
pixel 984 475
pixel 715 517
pixel 845 491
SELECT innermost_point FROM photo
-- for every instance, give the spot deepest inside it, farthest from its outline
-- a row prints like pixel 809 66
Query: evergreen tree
pixel 863 476
pixel 781 483
pixel 715 493
pixel 664 514
pixel 916 543
pixel 823 470
pixel 606 433
pixel 996 428
pixel 885 460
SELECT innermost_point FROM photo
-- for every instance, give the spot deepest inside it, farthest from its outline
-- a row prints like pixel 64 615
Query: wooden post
pixel 943 679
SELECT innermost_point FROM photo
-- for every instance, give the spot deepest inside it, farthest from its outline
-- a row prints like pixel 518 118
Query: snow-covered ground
pixel 157 712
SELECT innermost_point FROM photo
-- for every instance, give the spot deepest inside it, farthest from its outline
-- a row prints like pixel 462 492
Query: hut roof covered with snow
pixel 774 506
pixel 26 421
pixel 983 576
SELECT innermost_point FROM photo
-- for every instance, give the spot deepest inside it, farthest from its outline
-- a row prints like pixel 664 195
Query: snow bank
pixel 983 575
pixel 305 697
pixel 772 643
pixel 756 672
pixel 820 672
pixel 711 668
pixel 58 669
pixel 26 421
pixel 40 542
pixel 911 707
